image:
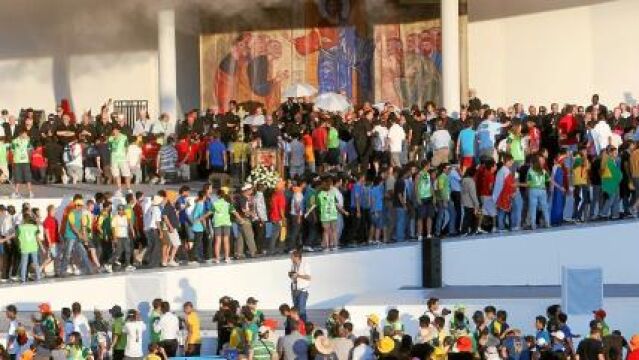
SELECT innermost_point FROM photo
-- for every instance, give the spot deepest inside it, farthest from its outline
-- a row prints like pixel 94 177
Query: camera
pixel 446 312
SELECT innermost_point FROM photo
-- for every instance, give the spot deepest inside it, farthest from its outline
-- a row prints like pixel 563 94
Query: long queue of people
pixel 244 332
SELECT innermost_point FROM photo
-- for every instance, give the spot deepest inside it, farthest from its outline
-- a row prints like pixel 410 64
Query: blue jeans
pixel 24 263
pixel 400 224
pixel 501 217
pixel 443 217
pixel 515 211
pixel 299 301
pixel 538 198
pixel 69 246
pixel 611 206
pixel 452 216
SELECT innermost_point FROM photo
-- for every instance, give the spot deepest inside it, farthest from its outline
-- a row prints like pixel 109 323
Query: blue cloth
pixel 455 180
pixel 198 211
pixel 180 203
pixel 558 201
pixel 538 199
pixel 543 334
pixel 517 348
pixel 216 153
pixel 467 142
pixel 366 191
pixel 357 192
pixel 400 224
pixel 377 197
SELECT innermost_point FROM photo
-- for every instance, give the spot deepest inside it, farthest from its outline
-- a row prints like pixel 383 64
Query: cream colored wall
pixel 540 51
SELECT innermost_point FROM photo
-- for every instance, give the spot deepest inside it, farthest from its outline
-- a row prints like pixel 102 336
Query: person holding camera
pixel 300 276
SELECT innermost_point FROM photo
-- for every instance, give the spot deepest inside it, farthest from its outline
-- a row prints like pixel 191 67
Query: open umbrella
pixel 332 102
pixel 299 90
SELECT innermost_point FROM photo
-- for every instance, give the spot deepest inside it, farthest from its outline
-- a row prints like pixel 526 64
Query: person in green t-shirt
pixel 119 338
pixel 424 191
pixel 4 160
pixel 76 350
pixel 328 209
pixel 536 181
pixel 221 211
pixel 332 144
pixel 264 349
pixel 154 336
pixel 29 244
pixel 442 196
pixel 515 146
pixel 21 147
pixel 118 144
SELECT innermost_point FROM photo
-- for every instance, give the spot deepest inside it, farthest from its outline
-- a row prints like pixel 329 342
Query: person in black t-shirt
pixel 591 348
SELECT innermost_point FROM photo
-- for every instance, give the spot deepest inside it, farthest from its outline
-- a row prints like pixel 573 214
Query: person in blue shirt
pixel 198 226
pixel 181 204
pixel 216 159
pixel 542 333
pixel 466 145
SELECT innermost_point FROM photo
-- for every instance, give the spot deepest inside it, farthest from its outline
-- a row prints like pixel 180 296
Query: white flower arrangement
pixel 264 176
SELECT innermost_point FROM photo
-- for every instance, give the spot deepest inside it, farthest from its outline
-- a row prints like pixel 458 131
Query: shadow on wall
pixel 483 10
pixel 188 293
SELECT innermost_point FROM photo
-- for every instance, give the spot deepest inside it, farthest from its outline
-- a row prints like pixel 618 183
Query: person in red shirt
pixel 51 238
pixel 277 216
pixel 534 136
pixel 320 137
pixel 567 128
pixel 485 180
pixel 39 164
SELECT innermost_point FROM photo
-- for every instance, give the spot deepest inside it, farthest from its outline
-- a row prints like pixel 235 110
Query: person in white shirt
pixel 300 276
pixel 11 312
pixel 601 135
pixel 80 323
pixel 134 158
pixel 134 329
pixel 73 161
pixel 396 137
pixel 152 223
pixel 122 234
pixel 168 326
pixel 440 141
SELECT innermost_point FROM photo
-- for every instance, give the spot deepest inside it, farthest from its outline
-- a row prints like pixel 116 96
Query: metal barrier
pixel 130 109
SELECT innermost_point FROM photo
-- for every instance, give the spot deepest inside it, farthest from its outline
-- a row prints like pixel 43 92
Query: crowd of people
pixel 244 332
pixel 368 176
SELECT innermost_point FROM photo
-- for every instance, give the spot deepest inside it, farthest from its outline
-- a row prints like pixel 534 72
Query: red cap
pixel 600 313
pixel 464 344
pixel 44 308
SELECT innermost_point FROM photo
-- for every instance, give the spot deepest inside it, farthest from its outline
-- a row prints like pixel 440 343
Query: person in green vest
pixel 29 244
pixel 536 181
pixel 76 350
pixel 424 191
pixel 328 210
pixel 611 177
pixel 21 148
pixel 75 236
pixel 442 196
pixel 516 146
pixel 119 338
pixel 221 211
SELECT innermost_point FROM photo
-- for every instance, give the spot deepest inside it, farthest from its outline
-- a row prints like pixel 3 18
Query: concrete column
pixel 167 64
pixel 450 56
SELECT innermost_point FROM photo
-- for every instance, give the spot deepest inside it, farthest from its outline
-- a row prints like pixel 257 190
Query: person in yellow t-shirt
pixel 193 338
pixel 156 352
pixel 581 182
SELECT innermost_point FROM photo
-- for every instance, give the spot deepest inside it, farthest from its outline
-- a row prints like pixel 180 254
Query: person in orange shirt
pixel 309 155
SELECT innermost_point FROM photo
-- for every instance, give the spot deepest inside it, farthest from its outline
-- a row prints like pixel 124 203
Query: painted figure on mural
pixel 247 71
pixel 422 76
pixel 340 50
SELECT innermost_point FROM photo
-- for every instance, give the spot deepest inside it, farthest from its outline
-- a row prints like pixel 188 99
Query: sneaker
pixel 216 261
pixel 129 191
pixel 130 268
pixel 193 262
pixel 15 195
pixel 69 270
pixel 172 263
pixel 108 268
pixel 31 195
pixel 77 272
pixel 481 231
pixel 308 249
pixel 209 261
pixel 228 260
pixel 117 263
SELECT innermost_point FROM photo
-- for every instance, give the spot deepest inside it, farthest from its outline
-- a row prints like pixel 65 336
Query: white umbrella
pixel 332 102
pixel 254 120
pixel 299 90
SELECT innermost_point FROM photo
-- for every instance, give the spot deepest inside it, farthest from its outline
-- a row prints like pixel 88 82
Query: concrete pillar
pixel 167 64
pixel 450 56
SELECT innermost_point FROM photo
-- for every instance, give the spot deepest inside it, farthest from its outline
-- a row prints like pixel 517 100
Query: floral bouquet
pixel 265 176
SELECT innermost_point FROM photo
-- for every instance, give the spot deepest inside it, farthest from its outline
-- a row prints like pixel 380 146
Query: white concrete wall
pixel 537 258
pixel 336 279
pixel 540 51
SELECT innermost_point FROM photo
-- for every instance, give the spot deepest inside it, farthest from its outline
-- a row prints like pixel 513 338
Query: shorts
pixel 467 161
pixel 381 157
pixel 377 219
pixel 222 230
pixel 426 208
pixel 217 169
pixel 488 206
pixel 22 173
pixel 330 224
pixel 120 168
pixel 333 156
pixel 174 237
pixel 440 156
